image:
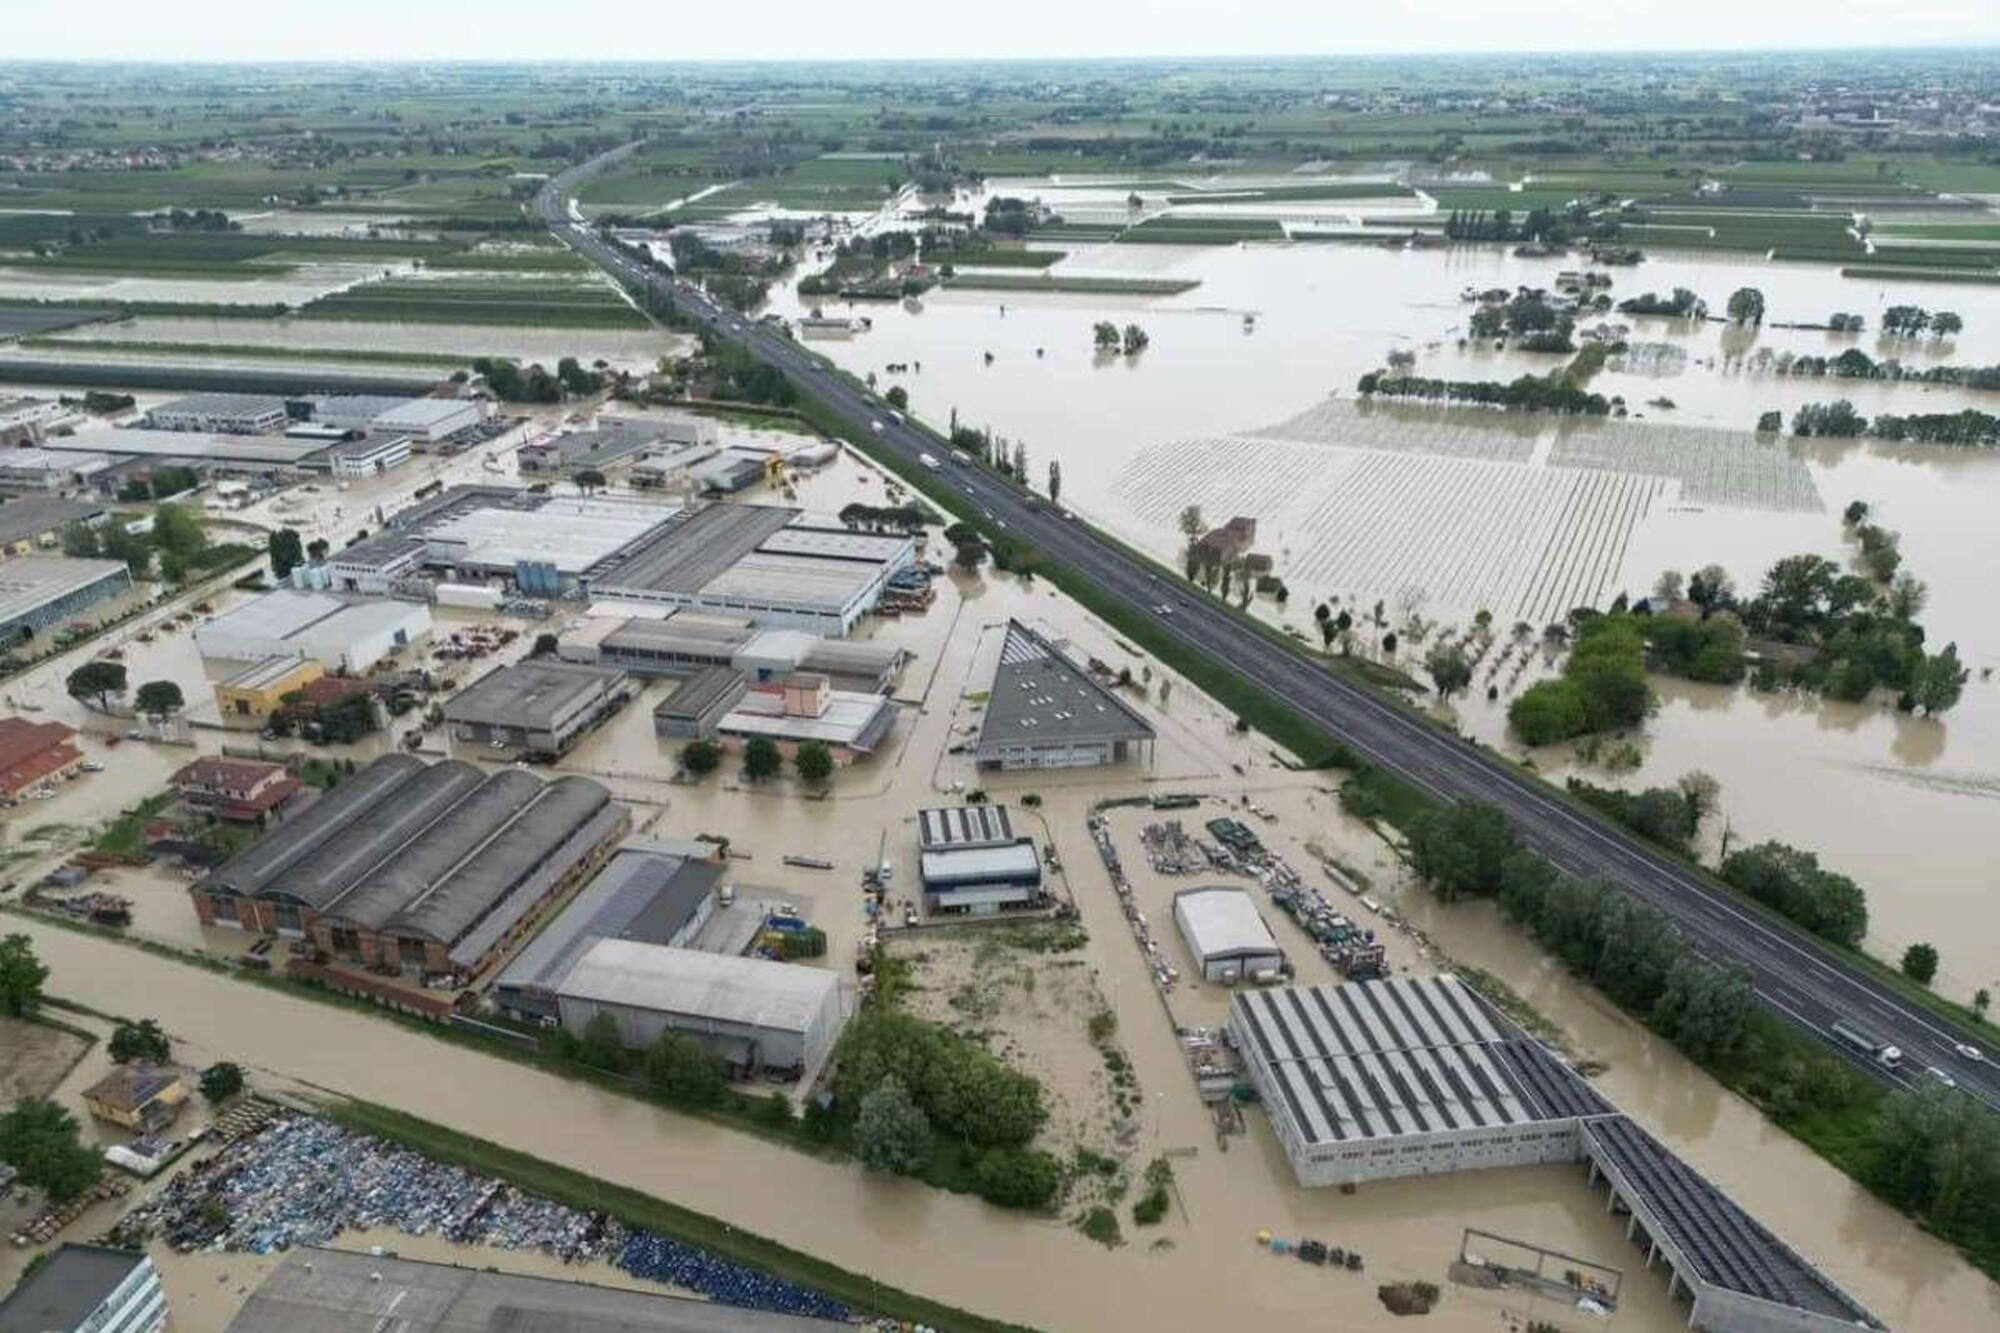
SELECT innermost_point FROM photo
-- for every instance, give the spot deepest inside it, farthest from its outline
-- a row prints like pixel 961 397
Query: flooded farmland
pixel 1526 517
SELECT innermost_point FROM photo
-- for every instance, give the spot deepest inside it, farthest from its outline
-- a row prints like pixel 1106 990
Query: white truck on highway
pixel 930 461
pixel 1881 1052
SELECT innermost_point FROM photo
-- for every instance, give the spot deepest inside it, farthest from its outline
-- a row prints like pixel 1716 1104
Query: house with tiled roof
pixel 32 753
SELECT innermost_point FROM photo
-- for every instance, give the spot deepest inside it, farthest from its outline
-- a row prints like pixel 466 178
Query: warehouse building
pixel 761 562
pixel 972 862
pixel 425 421
pixel 545 543
pixel 341 636
pixel 539 706
pixel 221 414
pixel 1227 936
pixel 650 892
pixel 258 690
pixel 48 471
pixel 696 708
pixel 375 564
pixel 367 454
pixel 38 591
pixel 757 1016
pixel 614 442
pixel 683 642
pixel 432 869
pixel 27 421
pixel 1419 1076
pixel 36 523
pixel 88 1289
pixel 1044 711
pixel 806 707
pixel 670 467
pixel 341 1291
pixel 209 450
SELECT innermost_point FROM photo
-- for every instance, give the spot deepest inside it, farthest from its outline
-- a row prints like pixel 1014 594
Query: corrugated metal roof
pixel 638 895
pixel 784 997
pixel 1040 697
pixel 1015 862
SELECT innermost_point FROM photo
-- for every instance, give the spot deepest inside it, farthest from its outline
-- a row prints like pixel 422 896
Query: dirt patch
pixel 1408 1297
pixel 34 1059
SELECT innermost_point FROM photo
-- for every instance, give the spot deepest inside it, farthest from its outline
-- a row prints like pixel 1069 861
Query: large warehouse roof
pixel 30 517
pixel 257 866
pixel 784 997
pixel 29 582
pixel 1012 863
pixel 1383 1059
pixel 143 440
pixel 1040 697
pixel 699 546
pixel 529 693
pixel 571 534
pixel 339 1291
pixel 1222 923
pixel 640 895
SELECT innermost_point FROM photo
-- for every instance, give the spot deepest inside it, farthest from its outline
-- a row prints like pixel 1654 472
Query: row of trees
pixel 1602 688
pixel 1908 321
pixel 1528 393
pixel 1791 882
pixel 1682 304
pixel 1629 951
pixel 1556 227
pixel 675 1066
pixel 1111 340
pixel 1855 364
pixel 1839 420
pixel 94 683
pixel 510 383
pixel 813 760
pixel 1670 816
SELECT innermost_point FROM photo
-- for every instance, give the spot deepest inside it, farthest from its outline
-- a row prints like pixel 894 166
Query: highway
pixel 1799 977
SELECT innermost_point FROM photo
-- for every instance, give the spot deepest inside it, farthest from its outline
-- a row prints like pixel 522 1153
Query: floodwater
pixel 301 283
pixel 1463 511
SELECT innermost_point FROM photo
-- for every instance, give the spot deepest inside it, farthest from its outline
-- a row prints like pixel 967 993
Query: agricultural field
pixel 551 302
pixel 1067 282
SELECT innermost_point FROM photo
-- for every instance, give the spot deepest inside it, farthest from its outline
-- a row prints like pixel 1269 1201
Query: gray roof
pixel 23 519
pixel 611 442
pixel 1223 923
pixel 1039 696
pixel 1385 1059
pixel 396 882
pixel 680 634
pixel 337 1291
pixel 254 868
pixel 639 895
pixel 384 830
pixel 958 867
pixel 63 1292
pixel 1727 1247
pixel 964 826
pixel 29 582
pixel 216 404
pixel 532 693
pixel 751 992
pixel 378 552
pixel 698 547
pixel 702 692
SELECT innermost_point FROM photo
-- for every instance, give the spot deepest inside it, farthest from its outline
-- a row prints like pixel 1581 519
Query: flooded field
pixel 632 348
pixel 294 285
pixel 1526 517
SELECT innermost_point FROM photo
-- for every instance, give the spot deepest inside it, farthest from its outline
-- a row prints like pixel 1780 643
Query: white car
pixel 1941 1076
pixel 1968 1052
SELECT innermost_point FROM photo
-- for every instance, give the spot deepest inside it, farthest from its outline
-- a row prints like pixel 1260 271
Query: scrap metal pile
pixel 303 1180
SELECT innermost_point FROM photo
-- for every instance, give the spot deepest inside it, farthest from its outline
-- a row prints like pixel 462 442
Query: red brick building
pixel 32 753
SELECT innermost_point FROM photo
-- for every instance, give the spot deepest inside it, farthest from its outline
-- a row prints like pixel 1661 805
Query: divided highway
pixel 1795 974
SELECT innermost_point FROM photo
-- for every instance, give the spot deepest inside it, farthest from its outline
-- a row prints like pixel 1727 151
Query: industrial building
pixel 538 706
pixel 375 564
pixel 546 544
pixel 649 892
pixel 1227 936
pixel 1044 711
pixel 341 1291
pixel 220 450
pixel 762 562
pixel 366 454
pixel 754 1014
pixel 614 442
pixel 87 1289
pixel 341 636
pixel 425 421
pixel 48 471
pixel 694 711
pixel 36 523
pixel 37 591
pixel 33 753
pixel 806 707
pixel 406 866
pixel 257 691
pixel 1419 1076
pixel 670 467
pixel 972 862
pixel 683 642
pixel 221 414
pixel 26 421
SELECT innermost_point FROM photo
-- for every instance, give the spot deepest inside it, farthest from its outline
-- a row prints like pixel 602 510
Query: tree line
pixel 1839 420
pixel 1528 393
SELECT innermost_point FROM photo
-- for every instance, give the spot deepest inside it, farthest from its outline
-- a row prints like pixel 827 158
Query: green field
pixel 531 303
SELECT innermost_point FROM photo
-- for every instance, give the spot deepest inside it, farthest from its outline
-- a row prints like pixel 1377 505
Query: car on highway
pixel 875 426
pixel 1164 609
pixel 1941 1077
pixel 1968 1052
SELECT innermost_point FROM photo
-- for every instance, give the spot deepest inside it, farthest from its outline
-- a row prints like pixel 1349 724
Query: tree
pixel 119 544
pixel 1055 481
pixel 1448 668
pixel 681 1070
pixel 1104 334
pixel 159 699
pixel 970 554
pixel 545 645
pixel 760 758
pixel 1920 963
pixel 220 1082
pixel 814 762
pixel 1021 463
pixel 1323 617
pixel 701 757
pixel 143 1040
pixel 1770 423
pixel 1939 681
pixel 176 529
pixel 898 397
pixel 1135 340
pixel 21 976
pixel 1982 1000
pixel 43 1142
pixel 1711 588
pixel 1746 306
pixel 601 1046
pixel 1016 1177
pixel 589 480
pixel 1792 882
pixel 96 680
pixel 80 542
pixel 287 551
pixel 891 1132
pixel 1462 850
pixel 1191 524
pixel 1945 323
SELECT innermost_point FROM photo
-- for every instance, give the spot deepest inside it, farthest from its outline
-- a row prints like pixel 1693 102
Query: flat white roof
pixel 754 992
pixel 793 580
pixel 1222 923
pixel 418 412
pixel 571 534
pixel 30 459
pixel 30 582
pixel 855 721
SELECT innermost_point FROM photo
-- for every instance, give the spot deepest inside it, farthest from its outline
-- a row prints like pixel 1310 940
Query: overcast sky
pixel 787 29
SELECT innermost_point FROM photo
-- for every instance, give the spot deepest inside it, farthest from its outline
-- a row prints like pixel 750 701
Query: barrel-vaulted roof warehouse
pixel 426 867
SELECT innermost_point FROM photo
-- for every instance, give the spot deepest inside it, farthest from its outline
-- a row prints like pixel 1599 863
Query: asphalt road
pixel 1796 975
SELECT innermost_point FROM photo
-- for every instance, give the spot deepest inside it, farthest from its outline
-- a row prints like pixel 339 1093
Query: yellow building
pixel 139 1096
pixel 256 691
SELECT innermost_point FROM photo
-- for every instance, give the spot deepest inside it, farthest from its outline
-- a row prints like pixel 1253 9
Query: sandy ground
pixel 34 1059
